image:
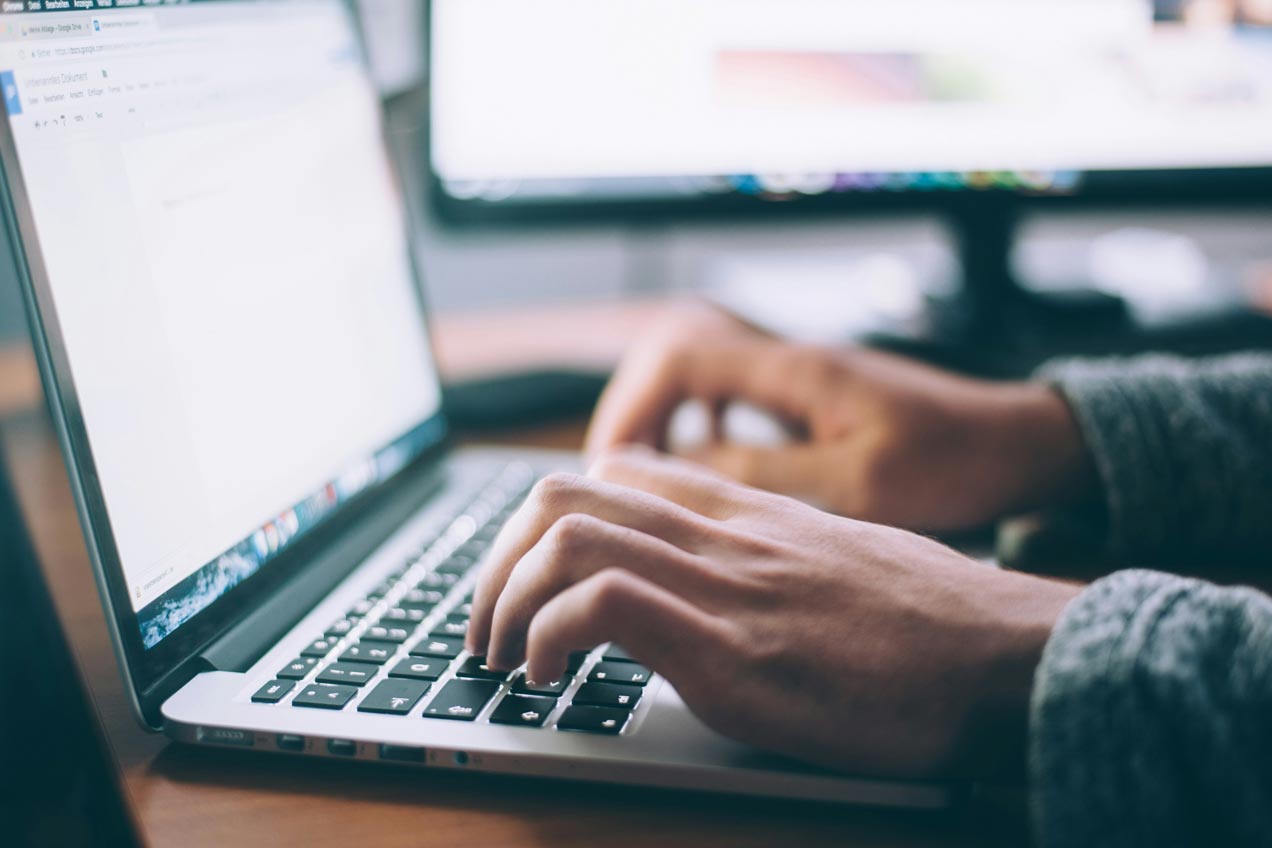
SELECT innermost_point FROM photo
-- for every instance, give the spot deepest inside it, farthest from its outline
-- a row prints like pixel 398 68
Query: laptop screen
pixel 227 253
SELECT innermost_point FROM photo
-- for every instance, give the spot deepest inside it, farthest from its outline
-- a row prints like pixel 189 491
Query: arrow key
pixel 522 711
pixel 394 697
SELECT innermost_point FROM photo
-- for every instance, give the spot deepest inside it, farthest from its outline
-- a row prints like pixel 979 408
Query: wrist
pixel 995 737
pixel 1046 461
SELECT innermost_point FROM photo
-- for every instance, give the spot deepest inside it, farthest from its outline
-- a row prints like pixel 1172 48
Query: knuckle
pixel 610 590
pixel 570 534
pixel 554 489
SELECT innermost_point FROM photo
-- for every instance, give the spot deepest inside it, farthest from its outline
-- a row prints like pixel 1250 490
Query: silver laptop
pixel 218 268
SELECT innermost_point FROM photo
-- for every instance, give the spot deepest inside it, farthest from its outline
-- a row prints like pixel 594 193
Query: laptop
pixel 55 788
pixel 219 274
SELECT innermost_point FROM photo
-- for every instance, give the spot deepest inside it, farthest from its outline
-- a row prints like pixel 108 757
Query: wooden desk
pixel 192 796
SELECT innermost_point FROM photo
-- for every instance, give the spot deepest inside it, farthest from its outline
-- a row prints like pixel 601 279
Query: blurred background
pixel 855 266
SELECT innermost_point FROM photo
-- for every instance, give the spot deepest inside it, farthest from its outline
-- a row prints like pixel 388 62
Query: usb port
pixel 342 747
pixel 290 742
pixel 402 753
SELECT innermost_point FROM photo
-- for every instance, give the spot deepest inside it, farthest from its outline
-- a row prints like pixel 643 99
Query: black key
pixel 438 646
pixel 324 697
pixel 476 668
pixel 454 625
pixel 394 697
pixel 339 628
pixel 381 633
pixel 619 672
pixel 556 687
pixel 361 608
pixel 319 648
pixel 297 668
pixel 616 654
pixel 404 615
pixel 607 695
pixel 422 599
pixel 353 674
pixel 461 700
pixel 522 711
pixel 420 668
pixel 273 692
pixel 369 652
pixel 575 661
pixel 593 720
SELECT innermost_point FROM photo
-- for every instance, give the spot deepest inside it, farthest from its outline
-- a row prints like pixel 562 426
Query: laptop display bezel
pixel 154 674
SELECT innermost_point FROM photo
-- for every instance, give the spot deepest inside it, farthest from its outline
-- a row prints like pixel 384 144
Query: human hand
pixel 879 437
pixel 846 644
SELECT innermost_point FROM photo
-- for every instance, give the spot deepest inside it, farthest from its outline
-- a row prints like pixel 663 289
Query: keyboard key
pixel 404 615
pixel 616 654
pixel 461 700
pixel 607 695
pixel 433 580
pixel 454 625
pixel 380 633
pixel 422 599
pixel 465 609
pixel 297 668
pixel 273 692
pixel 361 608
pixel 575 661
pixel 438 646
pixel 324 697
pixel 353 674
pixel 420 668
pixel 369 652
pixel 457 564
pixel 476 668
pixel 394 697
pixel 339 628
pixel 593 720
pixel 319 648
pixel 521 711
pixel 619 672
pixel 555 688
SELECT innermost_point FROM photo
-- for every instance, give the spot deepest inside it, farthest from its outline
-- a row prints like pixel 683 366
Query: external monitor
pixel 625 105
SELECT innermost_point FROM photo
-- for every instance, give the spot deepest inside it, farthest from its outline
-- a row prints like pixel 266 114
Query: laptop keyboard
pixel 400 650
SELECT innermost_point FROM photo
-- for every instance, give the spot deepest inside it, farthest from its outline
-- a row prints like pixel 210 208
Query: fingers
pixel 639 401
pixel 661 630
pixel 797 470
pixel 560 495
pixel 577 547
pixel 688 484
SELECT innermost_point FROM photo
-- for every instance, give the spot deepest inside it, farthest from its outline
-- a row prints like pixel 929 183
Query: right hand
pixel 881 438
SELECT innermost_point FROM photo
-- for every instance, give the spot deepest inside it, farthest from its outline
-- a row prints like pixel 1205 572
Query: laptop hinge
pixel 258 631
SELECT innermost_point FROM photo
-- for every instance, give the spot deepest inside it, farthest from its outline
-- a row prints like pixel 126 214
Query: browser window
pixel 228 256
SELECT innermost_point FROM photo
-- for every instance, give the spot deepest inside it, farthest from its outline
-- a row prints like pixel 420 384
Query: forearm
pixel 1183 450
pixel 1150 720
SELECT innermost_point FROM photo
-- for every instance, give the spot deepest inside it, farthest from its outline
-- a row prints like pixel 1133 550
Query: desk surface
pixel 192 796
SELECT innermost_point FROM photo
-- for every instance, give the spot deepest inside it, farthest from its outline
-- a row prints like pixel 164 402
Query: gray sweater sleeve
pixel 1151 721
pixel 1183 449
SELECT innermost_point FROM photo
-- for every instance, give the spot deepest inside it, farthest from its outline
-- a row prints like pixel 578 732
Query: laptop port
pixel 290 742
pixel 342 747
pixel 401 753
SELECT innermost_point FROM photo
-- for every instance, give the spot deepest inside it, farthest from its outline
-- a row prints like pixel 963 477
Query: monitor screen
pixel 227 256
pixel 638 99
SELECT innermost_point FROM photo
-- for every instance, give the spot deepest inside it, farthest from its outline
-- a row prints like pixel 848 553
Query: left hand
pixel 847 644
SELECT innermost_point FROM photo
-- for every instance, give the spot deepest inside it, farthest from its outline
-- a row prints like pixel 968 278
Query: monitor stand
pixel 995 326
